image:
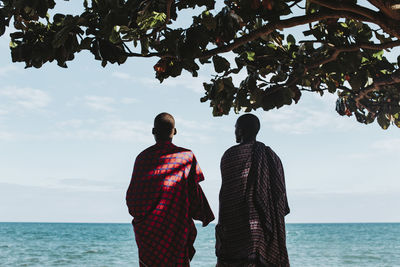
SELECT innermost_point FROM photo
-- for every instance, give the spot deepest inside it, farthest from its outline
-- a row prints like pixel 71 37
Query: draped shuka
pixel 164 197
pixel 253 204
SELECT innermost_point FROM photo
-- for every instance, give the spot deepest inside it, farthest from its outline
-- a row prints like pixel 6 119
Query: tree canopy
pixel 338 47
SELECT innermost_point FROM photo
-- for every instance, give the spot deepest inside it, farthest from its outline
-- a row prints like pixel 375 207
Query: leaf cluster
pixel 336 48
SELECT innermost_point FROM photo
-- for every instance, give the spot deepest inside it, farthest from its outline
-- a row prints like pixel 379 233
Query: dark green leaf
pixel 290 39
pixel 383 121
pixel 220 64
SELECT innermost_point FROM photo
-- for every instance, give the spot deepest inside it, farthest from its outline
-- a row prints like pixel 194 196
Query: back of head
pixel 249 125
pixel 164 127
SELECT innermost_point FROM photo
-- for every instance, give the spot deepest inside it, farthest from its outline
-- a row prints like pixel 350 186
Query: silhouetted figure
pixel 164 197
pixel 252 202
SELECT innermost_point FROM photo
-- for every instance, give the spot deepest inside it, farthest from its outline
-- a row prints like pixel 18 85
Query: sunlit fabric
pixel 164 197
pixel 253 203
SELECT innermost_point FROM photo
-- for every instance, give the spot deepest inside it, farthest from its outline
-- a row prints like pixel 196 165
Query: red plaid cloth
pixel 164 197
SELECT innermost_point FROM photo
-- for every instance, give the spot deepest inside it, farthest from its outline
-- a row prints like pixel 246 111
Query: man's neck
pixel 163 141
pixel 247 140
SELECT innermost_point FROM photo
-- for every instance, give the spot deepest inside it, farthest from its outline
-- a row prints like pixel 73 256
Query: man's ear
pixel 153 131
pixel 175 131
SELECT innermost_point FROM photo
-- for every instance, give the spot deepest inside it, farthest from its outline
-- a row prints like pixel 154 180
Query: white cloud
pixel 387 145
pixel 193 124
pixel 121 75
pixel 193 83
pixel 192 131
pixel 185 80
pixel 195 137
pixel 74 123
pixel 105 129
pixel 3 112
pixel 378 150
pixel 6 136
pixel 7 69
pixel 129 100
pixel 138 80
pixel 102 103
pixel 108 129
pixel 128 130
pixel 296 119
pixel 328 99
pixel 360 156
pixel 26 97
pixel 5 133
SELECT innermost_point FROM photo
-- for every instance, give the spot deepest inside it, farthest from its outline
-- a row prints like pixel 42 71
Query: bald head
pixel 164 127
pixel 247 127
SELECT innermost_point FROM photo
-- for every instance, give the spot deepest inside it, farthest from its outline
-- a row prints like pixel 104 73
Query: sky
pixel 69 138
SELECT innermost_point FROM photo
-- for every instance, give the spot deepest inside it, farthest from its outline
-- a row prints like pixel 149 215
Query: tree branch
pixel 169 3
pixel 295 3
pixel 344 5
pixel 387 80
pixel 282 24
pixel 333 57
pixel 387 23
pixel 389 8
pixel 265 30
pixel 352 48
pixel 132 54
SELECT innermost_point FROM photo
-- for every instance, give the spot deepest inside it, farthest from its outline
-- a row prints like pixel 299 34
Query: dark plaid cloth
pixel 253 204
pixel 164 197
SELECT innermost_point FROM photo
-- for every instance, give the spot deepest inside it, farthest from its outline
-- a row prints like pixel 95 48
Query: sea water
pixel 87 244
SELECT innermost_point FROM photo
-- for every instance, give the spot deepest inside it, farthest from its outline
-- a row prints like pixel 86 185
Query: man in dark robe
pixel 164 197
pixel 252 202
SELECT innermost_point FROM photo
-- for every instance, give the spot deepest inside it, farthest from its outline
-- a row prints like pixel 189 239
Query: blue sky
pixel 69 137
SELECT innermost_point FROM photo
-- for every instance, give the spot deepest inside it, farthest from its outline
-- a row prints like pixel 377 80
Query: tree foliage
pixel 339 48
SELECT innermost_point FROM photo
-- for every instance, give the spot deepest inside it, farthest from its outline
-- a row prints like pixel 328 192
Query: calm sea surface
pixel 76 244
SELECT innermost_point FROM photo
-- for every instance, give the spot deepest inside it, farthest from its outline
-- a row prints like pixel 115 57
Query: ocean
pixel 98 244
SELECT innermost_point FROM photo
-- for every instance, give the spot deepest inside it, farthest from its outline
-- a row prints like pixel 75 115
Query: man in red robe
pixel 164 197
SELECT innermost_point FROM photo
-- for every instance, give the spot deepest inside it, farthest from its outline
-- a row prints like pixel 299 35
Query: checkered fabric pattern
pixel 253 204
pixel 164 197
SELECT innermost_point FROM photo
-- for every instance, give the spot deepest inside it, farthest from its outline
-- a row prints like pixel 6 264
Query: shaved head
pixel 164 127
pixel 247 127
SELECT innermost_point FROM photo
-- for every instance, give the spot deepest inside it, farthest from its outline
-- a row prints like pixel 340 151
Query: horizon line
pixel 196 222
